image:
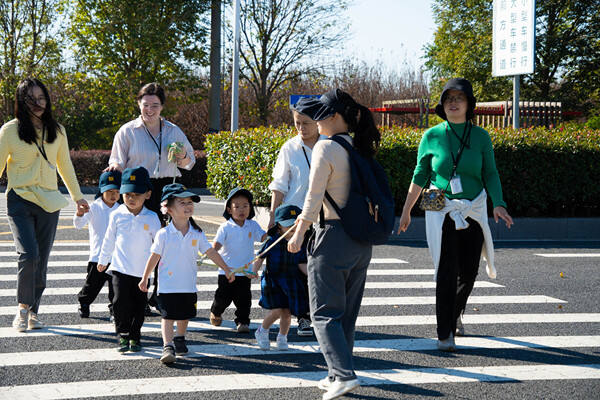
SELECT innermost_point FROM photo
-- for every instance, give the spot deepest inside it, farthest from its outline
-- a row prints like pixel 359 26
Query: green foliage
pixel 544 172
pixel 244 158
pixel 123 45
pixel 567 52
pixel 594 122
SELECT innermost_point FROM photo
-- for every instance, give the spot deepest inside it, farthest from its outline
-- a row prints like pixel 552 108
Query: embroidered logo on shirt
pixel 170 273
pixel 249 235
pixel 146 227
pixel 194 242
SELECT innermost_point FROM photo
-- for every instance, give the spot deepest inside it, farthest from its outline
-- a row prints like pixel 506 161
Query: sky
pixel 390 31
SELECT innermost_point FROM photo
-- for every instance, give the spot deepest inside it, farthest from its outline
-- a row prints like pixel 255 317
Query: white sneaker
pixel 34 321
pixel 447 344
pixel 20 321
pixel 282 343
pixel 262 337
pixel 324 383
pixel 338 388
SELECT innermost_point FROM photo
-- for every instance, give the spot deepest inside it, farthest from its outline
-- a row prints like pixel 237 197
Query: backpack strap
pixel 344 143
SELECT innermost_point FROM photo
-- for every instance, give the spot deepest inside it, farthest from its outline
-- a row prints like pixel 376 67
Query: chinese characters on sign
pixel 513 41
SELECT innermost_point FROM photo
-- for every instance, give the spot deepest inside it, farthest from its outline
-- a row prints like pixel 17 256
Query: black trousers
pixel 94 282
pixel 459 263
pixel 305 283
pixel 129 304
pixel 239 292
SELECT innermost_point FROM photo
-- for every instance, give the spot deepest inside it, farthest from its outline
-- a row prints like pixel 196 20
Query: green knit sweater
pixel 477 167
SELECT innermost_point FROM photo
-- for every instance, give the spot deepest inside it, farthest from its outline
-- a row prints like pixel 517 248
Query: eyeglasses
pixel 35 101
pixel 455 99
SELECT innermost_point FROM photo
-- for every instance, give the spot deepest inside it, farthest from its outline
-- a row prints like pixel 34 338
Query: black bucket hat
pixel 334 101
pixel 457 84
pixel 238 191
pixel 178 190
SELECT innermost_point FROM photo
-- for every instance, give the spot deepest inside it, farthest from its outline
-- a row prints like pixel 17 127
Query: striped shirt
pixel 133 146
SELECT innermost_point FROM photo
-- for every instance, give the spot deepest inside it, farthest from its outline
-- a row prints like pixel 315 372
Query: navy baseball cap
pixel 286 215
pixel 109 180
pixel 334 101
pixel 238 191
pixel 178 190
pixel 135 180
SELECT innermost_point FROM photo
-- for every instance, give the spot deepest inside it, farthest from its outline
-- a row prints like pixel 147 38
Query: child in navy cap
pixel 282 288
pixel 175 251
pixel 131 230
pixel 97 220
pixel 235 242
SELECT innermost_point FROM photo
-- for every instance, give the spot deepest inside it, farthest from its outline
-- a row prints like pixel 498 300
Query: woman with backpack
pixel 457 158
pixel 337 264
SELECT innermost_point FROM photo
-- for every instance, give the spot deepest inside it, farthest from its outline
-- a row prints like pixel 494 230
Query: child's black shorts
pixel 177 306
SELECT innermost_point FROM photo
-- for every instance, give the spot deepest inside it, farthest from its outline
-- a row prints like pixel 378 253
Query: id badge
pixel 456 185
pixel 52 166
pixel 156 169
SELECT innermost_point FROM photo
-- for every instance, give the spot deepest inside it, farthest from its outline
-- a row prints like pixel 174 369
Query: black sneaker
pixel 180 347
pixel 304 328
pixel 84 310
pixel 123 345
pixel 168 355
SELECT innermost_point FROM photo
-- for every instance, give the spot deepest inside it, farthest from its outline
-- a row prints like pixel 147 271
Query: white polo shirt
pixel 128 239
pixel 97 221
pixel 178 254
pixel 238 242
pixel 291 171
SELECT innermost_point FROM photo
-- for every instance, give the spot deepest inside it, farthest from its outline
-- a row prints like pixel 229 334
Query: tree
pixel 278 39
pixel 126 44
pixel 462 46
pixel 29 46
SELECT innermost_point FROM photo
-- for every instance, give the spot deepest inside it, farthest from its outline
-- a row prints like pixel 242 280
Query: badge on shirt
pixel 456 185
pixel 146 227
pixel 249 235
pixel 194 242
pixel 170 273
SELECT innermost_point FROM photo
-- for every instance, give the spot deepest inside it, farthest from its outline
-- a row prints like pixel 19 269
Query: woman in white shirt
pixel 145 141
pixel 290 179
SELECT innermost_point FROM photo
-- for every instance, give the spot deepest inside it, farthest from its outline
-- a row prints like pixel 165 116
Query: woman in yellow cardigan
pixel 33 147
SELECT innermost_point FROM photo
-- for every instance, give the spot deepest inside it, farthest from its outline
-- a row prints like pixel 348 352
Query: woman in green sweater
pixel 457 157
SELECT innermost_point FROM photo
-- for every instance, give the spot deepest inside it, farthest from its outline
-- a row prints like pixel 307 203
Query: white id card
pixel 52 167
pixel 456 185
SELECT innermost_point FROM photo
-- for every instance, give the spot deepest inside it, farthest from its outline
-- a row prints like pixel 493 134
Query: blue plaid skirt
pixel 283 291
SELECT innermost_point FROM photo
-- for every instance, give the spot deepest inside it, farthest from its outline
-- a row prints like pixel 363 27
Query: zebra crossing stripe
pixel 383 320
pixel 244 350
pixel 69 276
pixel 567 255
pixel 296 379
pixel 83 263
pixel 366 301
pixel 256 287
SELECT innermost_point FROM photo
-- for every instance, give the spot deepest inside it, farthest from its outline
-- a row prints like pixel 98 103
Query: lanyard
pixel 157 144
pixel 41 148
pixel 464 140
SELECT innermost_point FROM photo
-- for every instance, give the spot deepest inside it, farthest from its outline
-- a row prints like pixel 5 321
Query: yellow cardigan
pixel 30 176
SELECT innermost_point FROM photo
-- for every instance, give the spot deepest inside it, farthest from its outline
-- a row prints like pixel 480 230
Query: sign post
pixel 513 43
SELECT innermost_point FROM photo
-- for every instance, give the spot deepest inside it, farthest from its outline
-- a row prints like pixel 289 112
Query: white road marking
pixel 366 301
pixel 243 350
pixel 568 255
pixel 384 320
pixel 297 379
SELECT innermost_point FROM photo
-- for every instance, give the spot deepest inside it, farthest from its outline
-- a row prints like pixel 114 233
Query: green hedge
pixel 89 164
pixel 544 172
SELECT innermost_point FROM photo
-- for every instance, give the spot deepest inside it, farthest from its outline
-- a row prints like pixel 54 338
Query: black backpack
pixel 368 216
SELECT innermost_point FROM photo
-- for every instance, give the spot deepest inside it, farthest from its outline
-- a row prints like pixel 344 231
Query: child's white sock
pixel 169 344
pixel 280 335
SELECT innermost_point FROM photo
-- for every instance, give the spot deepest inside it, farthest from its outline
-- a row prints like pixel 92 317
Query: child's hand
pixel 251 274
pixel 82 207
pixel 143 285
pixel 101 268
pixel 230 276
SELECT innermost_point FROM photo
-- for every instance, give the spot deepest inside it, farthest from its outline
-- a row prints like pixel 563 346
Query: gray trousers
pixel 33 231
pixel 337 271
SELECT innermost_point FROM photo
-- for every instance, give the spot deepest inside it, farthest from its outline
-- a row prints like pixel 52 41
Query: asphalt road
pixel 532 333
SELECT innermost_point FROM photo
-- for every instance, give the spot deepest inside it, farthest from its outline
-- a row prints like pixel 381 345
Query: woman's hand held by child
pixel 230 276
pixel 101 268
